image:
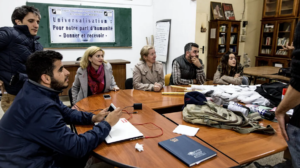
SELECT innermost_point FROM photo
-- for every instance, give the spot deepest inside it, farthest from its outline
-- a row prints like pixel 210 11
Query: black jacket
pixel 16 44
pixel 187 70
pixel 34 129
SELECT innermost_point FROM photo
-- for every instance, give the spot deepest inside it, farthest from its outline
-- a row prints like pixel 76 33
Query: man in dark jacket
pixel 188 68
pixel 33 131
pixel 290 129
pixel 16 44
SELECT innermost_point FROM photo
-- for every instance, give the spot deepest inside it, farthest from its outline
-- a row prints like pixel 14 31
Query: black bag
pixel 272 92
pixel 285 72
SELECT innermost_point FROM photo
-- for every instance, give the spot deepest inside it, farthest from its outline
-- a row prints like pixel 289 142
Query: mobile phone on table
pixel 106 96
pixel 111 108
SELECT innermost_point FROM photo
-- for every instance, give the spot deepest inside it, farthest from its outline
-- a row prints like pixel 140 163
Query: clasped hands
pixel 156 87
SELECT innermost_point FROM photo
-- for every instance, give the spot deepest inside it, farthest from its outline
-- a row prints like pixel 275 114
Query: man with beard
pixel 33 131
pixel 188 68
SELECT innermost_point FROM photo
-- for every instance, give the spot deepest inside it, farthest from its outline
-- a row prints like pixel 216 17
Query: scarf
pixel 96 79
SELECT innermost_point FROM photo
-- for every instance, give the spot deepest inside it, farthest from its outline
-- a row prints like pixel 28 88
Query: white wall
pixel 183 16
pixel 253 28
pixel 142 26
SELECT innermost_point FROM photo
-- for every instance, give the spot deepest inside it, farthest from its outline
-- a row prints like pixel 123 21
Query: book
pixel 122 131
pixel 187 150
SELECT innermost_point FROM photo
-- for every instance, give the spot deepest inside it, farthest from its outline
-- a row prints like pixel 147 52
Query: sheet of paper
pixel 161 40
pixel 213 33
pixel 186 130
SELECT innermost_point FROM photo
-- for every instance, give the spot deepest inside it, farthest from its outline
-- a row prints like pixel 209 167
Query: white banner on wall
pixel 81 25
pixel 161 41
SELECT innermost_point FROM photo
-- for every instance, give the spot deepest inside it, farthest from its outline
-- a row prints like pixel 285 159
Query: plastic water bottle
pixel 237 107
pixel 269 115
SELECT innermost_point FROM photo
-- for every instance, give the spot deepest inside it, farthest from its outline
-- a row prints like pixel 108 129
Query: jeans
pixel 294 144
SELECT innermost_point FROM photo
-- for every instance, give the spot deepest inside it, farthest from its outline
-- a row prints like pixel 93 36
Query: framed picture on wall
pixel 228 11
pixel 216 10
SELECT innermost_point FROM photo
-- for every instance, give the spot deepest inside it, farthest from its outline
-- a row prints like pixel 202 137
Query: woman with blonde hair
pixel 94 75
pixel 148 74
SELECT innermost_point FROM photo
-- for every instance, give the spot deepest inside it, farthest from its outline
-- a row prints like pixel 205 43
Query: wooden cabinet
pixel 271 61
pixel 223 37
pixel 280 8
pixel 278 26
pixel 274 34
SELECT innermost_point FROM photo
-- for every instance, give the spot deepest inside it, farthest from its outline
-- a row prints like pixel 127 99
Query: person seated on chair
pixel 148 74
pixel 188 68
pixel 94 75
pixel 33 130
pixel 229 71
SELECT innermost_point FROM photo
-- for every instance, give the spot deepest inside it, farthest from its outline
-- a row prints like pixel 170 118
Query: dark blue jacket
pixel 34 129
pixel 16 44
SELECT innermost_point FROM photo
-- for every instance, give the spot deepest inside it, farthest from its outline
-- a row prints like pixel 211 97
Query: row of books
pixel 221 50
pixel 266 51
pixel 233 39
pixel 281 52
pixel 223 28
pixel 232 49
pixel 283 41
pixel 268 40
pixel 222 40
pixel 234 29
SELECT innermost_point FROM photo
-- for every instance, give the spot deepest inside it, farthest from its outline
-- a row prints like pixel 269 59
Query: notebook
pixel 187 150
pixel 122 131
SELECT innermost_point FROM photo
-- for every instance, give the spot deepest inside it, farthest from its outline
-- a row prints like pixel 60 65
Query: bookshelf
pixel 277 30
pixel 280 8
pixel 223 37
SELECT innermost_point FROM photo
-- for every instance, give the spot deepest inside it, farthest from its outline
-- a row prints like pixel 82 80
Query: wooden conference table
pixel 233 148
pixel 265 72
pixel 124 154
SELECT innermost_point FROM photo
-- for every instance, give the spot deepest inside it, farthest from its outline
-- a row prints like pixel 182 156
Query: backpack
pixel 216 116
pixel 272 92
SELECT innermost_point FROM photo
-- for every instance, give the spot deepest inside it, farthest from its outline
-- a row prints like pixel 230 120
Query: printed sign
pixel 81 25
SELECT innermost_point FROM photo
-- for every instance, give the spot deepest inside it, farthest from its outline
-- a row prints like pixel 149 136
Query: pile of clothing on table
pixel 254 94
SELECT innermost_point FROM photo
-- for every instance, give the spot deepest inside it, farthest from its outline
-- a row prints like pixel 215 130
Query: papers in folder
pixel 122 131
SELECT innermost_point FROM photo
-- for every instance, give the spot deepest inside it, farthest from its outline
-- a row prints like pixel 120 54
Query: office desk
pixel 242 148
pixel 124 154
pixel 157 101
pixel 265 72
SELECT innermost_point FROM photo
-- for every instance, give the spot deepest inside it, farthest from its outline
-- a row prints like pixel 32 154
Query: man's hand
pixel 194 81
pixel 282 120
pixel 237 75
pixel 196 62
pixel 113 117
pixel 287 47
pixel 100 116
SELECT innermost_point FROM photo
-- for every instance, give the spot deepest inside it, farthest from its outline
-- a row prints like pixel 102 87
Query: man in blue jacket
pixel 33 131
pixel 16 44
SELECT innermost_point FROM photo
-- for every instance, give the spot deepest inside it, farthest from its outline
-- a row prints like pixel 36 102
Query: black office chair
pixel 128 83
pixel 70 97
pixel 71 102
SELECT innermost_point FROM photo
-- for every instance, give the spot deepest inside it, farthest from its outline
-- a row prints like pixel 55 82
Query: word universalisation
pixel 81 25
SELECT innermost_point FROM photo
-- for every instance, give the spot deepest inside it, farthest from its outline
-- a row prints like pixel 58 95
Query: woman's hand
pixel 116 88
pixel 237 75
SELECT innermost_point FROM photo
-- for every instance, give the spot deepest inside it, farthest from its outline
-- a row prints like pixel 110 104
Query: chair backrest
pixel 70 97
pixel 167 79
pixel 129 83
pixel 245 80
